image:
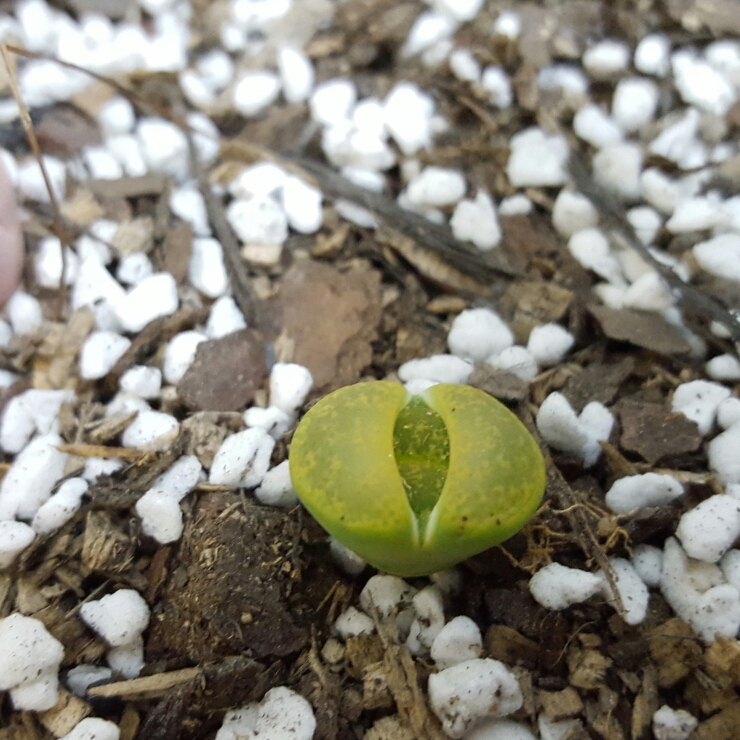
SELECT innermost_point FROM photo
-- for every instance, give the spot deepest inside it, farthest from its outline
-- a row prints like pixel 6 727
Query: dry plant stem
pixel 243 293
pixel 58 225
pixel 119 453
pixel 438 239
pixel 147 687
pixel 569 503
pixel 690 298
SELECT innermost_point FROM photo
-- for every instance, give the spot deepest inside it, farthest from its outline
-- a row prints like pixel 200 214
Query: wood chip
pixel 65 714
pixel 148 687
pixel 648 330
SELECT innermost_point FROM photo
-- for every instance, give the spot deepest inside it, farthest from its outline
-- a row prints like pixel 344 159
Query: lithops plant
pixel 415 484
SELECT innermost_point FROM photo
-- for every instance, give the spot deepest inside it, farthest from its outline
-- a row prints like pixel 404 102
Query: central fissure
pixel 422 449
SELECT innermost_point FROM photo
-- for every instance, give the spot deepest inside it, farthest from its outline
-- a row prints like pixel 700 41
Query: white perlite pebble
pixel 548 344
pixel 516 360
pixel 580 435
pixel 290 384
pixel 437 368
pixel 276 488
pixel 350 562
pixel 124 404
pixel 23 312
pixel 31 412
pixel 593 125
pixel 429 619
pixel 478 333
pixel 47 265
pixel 723 457
pixel 302 204
pixel 708 605
pixel 128 660
pixel 15 537
pixel 32 185
pixel 698 401
pixel 179 355
pixel 101 164
pixel 100 352
pixel 254 92
pixel 573 212
pixel 96 467
pixel 591 249
pixel 408 116
pixel 281 714
pixel 672 724
pixel 332 101
pixel 428 30
pixel 632 591
pixel 502 729
pixel 516 205
pixel 188 203
pixel 161 516
pixel 93 728
pixel 606 59
pixel 634 103
pixel 652 55
pixel 552 730
pixel 81 677
pixel 436 187
pixel 646 222
pixel 641 491
pixel 94 284
pixel 699 84
pixel 648 562
pixel 153 297
pixel 153 431
pixel 708 530
pixel 728 412
pixel 697 214
pixel 730 567
pixel 617 168
pixel 496 83
pixel 225 318
pixel 720 256
pixel 723 367
pixel 133 268
pixel 258 180
pixel 353 623
pixel 557 587
pixel 385 593
pixel 242 459
pixel 677 140
pixel 260 220
pixel 475 221
pixel 29 661
pixel 537 160
pixel 272 419
pixel 118 618
pixel 117 116
pixel 296 74
pixel 31 477
pixel 465 66
pixel 459 640
pixel 61 507
pixel 465 694
pixel 142 381
pixel 164 147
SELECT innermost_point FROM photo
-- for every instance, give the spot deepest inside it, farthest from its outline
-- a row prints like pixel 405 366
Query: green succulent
pixel 416 484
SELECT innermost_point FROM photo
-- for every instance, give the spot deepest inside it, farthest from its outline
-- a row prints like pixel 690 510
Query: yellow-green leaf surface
pixel 416 484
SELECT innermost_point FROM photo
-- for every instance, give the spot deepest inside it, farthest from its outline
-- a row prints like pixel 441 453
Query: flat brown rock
pixel 648 330
pixel 598 382
pixel 332 318
pixel 225 373
pixel 655 432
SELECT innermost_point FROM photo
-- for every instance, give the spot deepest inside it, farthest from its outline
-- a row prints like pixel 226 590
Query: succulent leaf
pixel 415 484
